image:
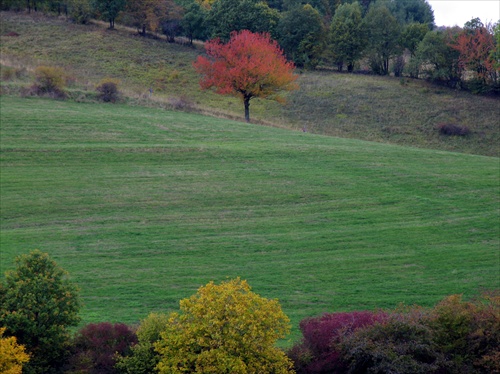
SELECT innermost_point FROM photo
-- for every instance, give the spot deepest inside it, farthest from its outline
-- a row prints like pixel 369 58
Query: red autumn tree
pixel 249 65
pixel 475 44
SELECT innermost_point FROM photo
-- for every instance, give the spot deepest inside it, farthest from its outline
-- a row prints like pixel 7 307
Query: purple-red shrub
pixel 95 347
pixel 451 129
pixel 317 352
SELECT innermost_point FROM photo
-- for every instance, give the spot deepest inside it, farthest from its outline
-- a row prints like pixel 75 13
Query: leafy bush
pixel 143 358
pixel 80 11
pixel 468 333
pixel 50 81
pixel 96 345
pixel 451 129
pixel 12 355
pixel 318 351
pixel 453 337
pixel 108 90
pixel 402 344
pixel 224 328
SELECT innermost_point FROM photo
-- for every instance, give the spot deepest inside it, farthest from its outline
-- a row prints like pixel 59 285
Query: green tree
pixel 227 16
pixel 495 53
pixel 436 59
pixel 346 40
pixel 144 358
pixel 383 37
pixel 80 11
pixel 300 33
pixel 37 305
pixel 109 9
pixel 194 22
pixel 412 35
pixel 225 328
pixel 412 11
pixel 325 7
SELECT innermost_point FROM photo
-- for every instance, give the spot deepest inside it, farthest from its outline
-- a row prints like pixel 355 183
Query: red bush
pixel 96 345
pixel 317 352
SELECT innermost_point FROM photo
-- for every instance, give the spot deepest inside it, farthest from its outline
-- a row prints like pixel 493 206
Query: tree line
pixel 228 328
pixel 380 36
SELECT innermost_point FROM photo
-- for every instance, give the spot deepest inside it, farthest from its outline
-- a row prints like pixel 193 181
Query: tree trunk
pixel 111 23
pixel 246 101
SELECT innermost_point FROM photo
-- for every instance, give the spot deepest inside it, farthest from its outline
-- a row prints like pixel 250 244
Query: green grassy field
pixel 142 206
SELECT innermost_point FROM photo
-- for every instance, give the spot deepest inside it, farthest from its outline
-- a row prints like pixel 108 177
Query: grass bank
pixel 383 109
pixel 142 206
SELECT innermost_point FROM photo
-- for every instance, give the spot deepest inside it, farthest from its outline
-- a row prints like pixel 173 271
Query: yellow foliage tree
pixel 225 328
pixel 12 355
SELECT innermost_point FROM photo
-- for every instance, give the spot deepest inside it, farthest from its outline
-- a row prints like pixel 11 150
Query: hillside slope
pixel 381 109
pixel 142 206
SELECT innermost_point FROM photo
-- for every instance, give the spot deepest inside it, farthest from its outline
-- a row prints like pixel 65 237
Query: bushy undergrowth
pixel 143 358
pixel 453 337
pixel 317 352
pixel 49 81
pixel 107 90
pixel 96 346
pixel 452 129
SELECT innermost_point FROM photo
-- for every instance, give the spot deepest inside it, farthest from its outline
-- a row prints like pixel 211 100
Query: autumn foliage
pixel 475 48
pixel 96 346
pixel 225 328
pixel 12 355
pixel 249 65
pixel 317 352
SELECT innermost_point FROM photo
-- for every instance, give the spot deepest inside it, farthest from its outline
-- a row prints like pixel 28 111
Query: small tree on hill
pixel 301 35
pixel 37 305
pixel 383 37
pixel 109 9
pixel 475 44
pixel 346 36
pixel 249 65
pixel 225 328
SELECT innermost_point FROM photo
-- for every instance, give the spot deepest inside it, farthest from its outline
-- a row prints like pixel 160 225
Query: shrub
pixel 468 333
pixel 224 328
pixel 95 347
pixel 49 80
pixel 318 351
pixel 451 129
pixel 80 11
pixel 7 73
pixel 143 358
pixel 12 355
pixel 108 90
pixel 402 344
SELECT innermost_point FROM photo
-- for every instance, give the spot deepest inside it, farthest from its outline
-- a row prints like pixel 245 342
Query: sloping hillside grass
pixel 381 109
pixel 142 206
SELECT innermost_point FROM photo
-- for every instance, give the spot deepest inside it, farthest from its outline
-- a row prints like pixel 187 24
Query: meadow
pixel 142 206
pixel 383 109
